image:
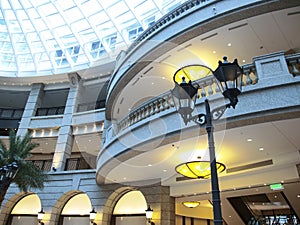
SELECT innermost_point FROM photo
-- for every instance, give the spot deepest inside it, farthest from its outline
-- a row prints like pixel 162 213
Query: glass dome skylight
pixel 42 37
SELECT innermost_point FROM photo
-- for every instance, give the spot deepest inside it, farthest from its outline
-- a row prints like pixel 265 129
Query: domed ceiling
pixel 43 37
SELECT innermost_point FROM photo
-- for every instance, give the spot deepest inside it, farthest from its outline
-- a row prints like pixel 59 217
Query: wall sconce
pixel 149 213
pixel 41 215
pixel 93 214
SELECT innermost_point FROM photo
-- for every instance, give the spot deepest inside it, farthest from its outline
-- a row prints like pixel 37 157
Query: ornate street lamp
pixel 229 77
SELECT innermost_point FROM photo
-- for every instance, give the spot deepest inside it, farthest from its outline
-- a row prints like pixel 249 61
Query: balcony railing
pixel 6 113
pixel 208 87
pixel 80 163
pixel 91 106
pixel 50 111
pixel 71 164
pixel 44 165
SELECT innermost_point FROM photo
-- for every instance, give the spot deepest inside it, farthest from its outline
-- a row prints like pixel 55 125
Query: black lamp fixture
pixel 7 175
pixel 149 213
pixel 93 214
pixel 41 215
pixel 8 171
pixel 229 78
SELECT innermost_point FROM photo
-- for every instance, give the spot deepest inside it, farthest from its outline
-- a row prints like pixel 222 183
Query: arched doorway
pixel 130 209
pixel 25 211
pixel 76 211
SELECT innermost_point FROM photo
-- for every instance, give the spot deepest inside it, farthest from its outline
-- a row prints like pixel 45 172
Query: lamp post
pixel 229 77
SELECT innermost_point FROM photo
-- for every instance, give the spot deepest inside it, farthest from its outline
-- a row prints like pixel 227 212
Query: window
pixel 97 49
pixel 73 51
pixel 134 33
pixel 60 58
pixel 111 41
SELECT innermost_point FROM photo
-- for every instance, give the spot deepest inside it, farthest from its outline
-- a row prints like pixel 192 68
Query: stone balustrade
pixel 208 87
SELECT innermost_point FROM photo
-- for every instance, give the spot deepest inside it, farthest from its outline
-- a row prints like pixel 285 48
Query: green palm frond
pixel 28 175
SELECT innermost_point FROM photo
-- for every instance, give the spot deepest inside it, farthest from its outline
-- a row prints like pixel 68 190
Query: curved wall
pixel 270 99
pixel 188 21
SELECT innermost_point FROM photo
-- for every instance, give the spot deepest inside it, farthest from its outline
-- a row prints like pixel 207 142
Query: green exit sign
pixel 278 186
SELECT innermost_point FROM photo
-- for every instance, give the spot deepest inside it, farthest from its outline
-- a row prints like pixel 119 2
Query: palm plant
pixel 28 175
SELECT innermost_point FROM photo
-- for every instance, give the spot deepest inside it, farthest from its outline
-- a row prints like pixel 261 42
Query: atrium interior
pixel 92 81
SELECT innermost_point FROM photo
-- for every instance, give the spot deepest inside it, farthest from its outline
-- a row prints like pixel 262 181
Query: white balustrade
pixel 207 87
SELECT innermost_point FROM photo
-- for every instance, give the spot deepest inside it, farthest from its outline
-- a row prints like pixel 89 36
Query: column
pixel 33 103
pixel 163 205
pixel 65 138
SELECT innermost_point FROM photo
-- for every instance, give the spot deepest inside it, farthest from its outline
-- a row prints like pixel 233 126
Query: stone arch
pixel 112 201
pixel 59 205
pixel 10 204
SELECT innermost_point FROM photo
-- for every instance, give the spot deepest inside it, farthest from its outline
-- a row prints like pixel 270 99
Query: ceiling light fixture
pixel 191 204
pixel 198 169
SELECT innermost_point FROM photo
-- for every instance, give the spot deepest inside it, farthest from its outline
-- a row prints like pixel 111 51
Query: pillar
pixel 33 103
pixel 65 138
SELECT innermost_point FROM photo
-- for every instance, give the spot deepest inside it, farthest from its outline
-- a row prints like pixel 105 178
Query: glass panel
pixel 72 220
pixel 100 26
pixel 20 220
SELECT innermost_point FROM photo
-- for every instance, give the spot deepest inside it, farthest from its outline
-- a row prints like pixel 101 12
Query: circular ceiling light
pixel 198 169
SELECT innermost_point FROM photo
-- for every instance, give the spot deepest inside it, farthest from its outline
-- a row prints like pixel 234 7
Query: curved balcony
pixel 271 86
pixel 193 21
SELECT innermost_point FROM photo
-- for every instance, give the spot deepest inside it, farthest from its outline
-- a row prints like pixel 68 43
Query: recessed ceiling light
pixel 163 78
pixel 124 178
pixel 261 149
pixel 214 52
pixel 164 170
pixel 149 164
pixel 249 140
pixel 229 44
pixel 298 196
pixel 244 60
